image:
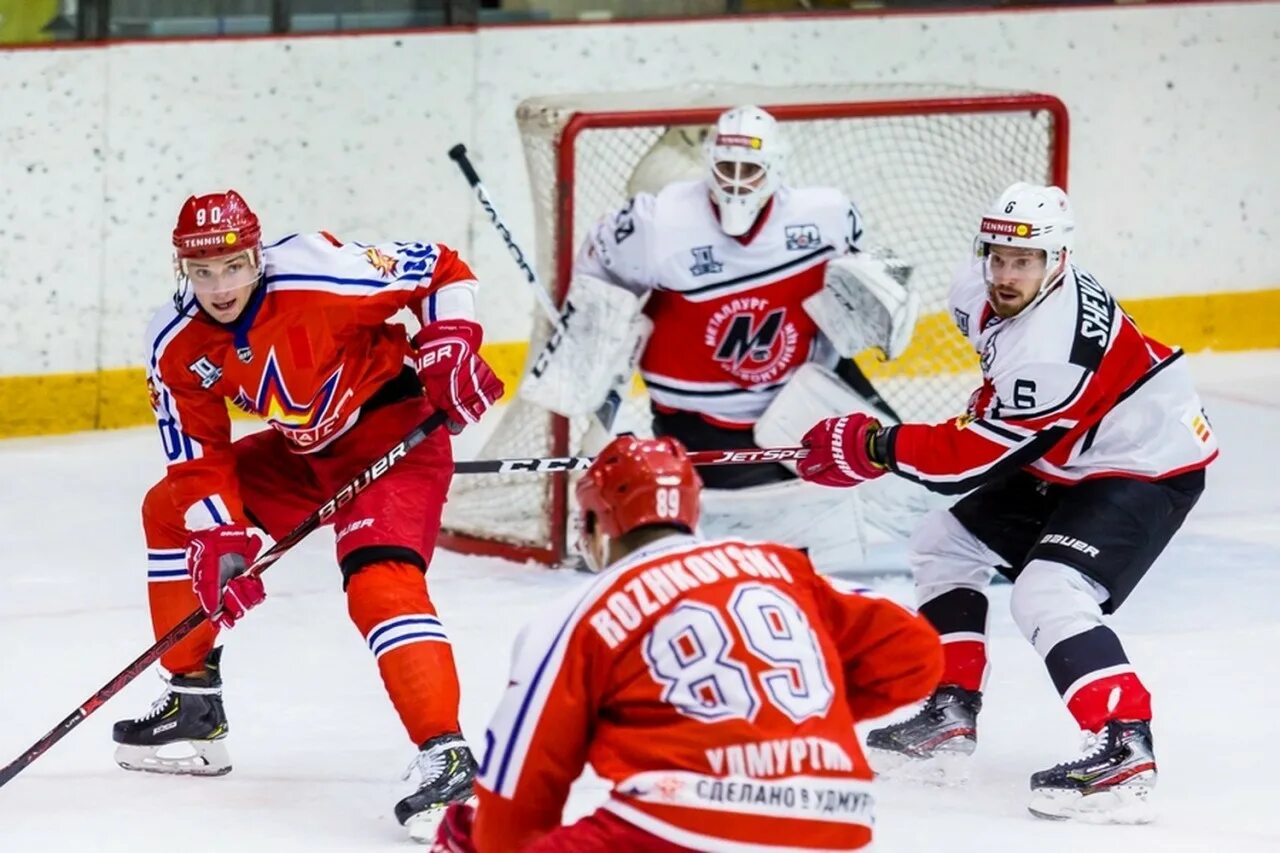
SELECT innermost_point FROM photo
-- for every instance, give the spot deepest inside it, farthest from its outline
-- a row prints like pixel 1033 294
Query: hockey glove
pixel 454 834
pixel 454 376
pixel 839 451
pixel 217 558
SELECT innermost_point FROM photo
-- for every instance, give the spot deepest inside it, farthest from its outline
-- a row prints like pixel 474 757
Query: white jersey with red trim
pixel 1071 390
pixel 715 685
pixel 729 324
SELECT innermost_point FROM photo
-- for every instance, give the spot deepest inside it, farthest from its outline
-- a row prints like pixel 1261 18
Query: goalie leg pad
pixel 826 522
pixel 593 348
pixel 811 394
pixel 890 504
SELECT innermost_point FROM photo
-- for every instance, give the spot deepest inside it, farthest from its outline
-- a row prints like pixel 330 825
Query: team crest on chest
pixel 704 261
pixel 752 340
pixel 801 237
pixel 305 422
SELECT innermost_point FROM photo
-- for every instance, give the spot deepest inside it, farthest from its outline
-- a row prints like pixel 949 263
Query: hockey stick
pixel 608 410
pixel 553 464
pixel 371 472
pixel 849 372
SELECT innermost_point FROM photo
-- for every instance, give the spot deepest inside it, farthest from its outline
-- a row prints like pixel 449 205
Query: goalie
pixel 736 296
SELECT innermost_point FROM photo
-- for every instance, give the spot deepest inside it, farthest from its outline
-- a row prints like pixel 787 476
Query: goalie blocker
pixel 593 348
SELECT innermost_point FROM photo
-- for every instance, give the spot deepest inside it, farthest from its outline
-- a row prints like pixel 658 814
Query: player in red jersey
pixel 297 333
pixel 1082 451
pixel 714 683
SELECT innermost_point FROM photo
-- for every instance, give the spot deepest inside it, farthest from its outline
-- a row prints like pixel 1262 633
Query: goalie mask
pixel 745 154
pixel 635 482
pixel 1027 216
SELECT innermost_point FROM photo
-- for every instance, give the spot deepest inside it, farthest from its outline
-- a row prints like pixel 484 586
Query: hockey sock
pixel 169 583
pixel 1096 680
pixel 960 618
pixel 388 602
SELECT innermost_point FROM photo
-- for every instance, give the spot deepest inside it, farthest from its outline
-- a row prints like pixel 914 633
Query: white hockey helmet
pixel 1028 216
pixel 745 154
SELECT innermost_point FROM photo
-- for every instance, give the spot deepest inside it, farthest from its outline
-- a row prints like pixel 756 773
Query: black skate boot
pixel 187 722
pixel 448 771
pixel 1109 784
pixel 938 739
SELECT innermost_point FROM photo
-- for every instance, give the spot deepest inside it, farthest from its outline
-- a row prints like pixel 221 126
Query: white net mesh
pixel 920 162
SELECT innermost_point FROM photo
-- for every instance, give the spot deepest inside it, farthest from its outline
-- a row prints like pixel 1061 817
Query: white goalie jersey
pixel 729 322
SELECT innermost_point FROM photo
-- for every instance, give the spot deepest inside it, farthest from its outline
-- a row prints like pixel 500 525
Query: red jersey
pixel 312 346
pixel 716 686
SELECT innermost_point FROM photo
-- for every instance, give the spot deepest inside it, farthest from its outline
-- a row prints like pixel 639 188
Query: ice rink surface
pixel 318 750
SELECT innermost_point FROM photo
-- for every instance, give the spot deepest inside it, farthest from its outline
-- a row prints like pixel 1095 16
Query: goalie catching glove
pixel 864 302
pixel 593 348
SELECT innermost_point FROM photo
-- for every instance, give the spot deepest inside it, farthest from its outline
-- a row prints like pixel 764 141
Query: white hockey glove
pixel 593 348
pixel 864 302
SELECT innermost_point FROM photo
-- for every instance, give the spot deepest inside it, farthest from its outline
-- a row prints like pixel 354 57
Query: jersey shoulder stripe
pixel 165 325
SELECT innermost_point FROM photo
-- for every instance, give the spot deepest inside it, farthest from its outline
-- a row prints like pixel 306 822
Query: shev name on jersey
pixel 1095 318
pixel 1096 309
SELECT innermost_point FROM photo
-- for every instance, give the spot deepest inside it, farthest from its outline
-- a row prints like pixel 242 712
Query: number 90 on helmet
pixel 213 226
pixel 637 482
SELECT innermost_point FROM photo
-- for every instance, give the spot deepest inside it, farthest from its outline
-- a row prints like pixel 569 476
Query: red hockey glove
pixel 838 451
pixel 454 834
pixel 217 559
pixel 454 376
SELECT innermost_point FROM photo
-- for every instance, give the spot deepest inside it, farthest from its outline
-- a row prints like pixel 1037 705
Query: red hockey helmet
pixel 217 224
pixel 639 481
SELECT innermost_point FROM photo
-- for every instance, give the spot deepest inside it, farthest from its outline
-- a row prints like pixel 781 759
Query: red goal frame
pixel 566 161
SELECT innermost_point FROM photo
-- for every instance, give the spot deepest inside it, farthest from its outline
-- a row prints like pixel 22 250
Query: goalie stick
pixel 608 410
pixel 371 472
pixel 555 464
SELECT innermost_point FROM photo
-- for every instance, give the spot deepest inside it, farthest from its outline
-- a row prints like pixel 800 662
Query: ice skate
pixel 447 770
pixel 935 744
pixel 1110 783
pixel 184 732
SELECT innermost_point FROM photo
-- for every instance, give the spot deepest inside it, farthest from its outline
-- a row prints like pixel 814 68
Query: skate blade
pixel 423 825
pixel 195 758
pixel 945 769
pixel 1124 804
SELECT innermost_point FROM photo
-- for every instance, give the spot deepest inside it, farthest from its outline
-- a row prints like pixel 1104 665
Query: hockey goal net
pixel 920 162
